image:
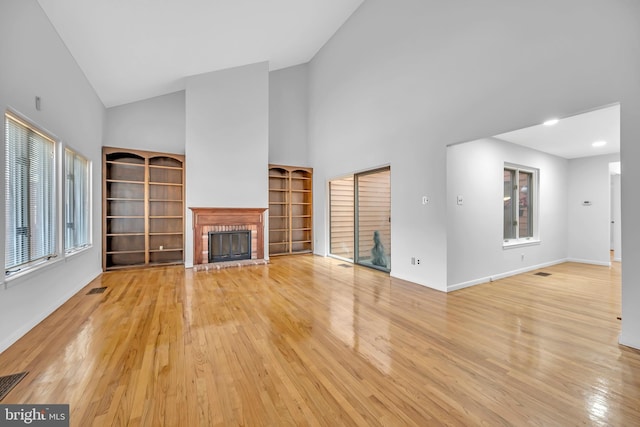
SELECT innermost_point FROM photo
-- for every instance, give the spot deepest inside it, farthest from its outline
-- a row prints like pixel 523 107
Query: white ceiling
pixel 136 49
pixel 572 137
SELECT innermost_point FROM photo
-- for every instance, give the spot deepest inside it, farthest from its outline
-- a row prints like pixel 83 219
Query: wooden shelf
pixel 143 208
pixel 124 181
pixel 124 252
pixel 290 210
pixel 178 168
pixel 165 183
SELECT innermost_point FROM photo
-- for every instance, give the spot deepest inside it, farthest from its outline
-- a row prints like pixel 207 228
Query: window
pixel 30 195
pixel 77 203
pixel 519 204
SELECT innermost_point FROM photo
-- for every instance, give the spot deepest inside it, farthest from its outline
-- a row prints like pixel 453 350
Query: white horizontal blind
pixel 76 201
pixel 30 193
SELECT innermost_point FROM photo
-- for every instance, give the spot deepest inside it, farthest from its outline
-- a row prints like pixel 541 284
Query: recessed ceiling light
pixel 551 122
pixel 599 143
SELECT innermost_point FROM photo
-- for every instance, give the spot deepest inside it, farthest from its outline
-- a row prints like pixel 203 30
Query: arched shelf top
pixel 124 157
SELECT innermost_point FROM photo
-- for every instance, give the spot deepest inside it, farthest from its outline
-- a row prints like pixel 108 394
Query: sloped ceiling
pixel 136 49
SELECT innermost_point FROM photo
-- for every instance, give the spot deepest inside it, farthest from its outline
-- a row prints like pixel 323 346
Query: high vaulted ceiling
pixel 136 49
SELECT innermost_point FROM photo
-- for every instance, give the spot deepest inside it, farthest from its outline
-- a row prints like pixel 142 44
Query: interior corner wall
pixel 154 124
pixel 35 62
pixel 629 155
pixel 227 142
pixel 475 252
pixel 589 223
pixel 402 80
pixel 288 116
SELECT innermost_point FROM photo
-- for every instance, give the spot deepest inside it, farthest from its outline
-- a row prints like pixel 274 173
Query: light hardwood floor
pixel 309 341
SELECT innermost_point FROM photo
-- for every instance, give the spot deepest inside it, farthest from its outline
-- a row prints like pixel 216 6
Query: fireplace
pixel 229 245
pixel 227 222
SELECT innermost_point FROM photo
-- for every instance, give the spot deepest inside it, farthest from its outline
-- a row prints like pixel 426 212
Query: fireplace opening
pixel 229 245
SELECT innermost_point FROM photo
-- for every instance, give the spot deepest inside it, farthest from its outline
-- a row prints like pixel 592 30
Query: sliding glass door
pixel 341 211
pixel 360 218
pixel 373 218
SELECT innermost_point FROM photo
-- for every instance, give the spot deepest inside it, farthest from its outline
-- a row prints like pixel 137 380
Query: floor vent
pixel 8 382
pixel 345 265
pixel 96 291
pixel 543 274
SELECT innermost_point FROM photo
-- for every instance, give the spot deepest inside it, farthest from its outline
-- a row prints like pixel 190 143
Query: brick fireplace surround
pixel 226 219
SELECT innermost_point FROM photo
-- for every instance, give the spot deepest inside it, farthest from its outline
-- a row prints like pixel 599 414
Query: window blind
pixel 30 194
pixel 76 201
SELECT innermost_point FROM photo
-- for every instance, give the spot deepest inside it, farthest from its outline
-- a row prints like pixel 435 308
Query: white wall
pixel 155 124
pixel 629 155
pixel 590 226
pixel 475 252
pixel 569 230
pixel 35 62
pixel 288 116
pixel 227 141
pixel 402 80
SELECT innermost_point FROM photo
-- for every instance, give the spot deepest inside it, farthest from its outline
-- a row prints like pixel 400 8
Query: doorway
pixel 616 218
pixel 360 218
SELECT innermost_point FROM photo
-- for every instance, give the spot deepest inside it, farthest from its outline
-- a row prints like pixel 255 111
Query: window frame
pixel 32 264
pixel 59 199
pixel 534 197
pixel 88 203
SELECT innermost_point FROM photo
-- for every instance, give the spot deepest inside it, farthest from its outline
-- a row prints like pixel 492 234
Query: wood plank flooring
pixel 307 340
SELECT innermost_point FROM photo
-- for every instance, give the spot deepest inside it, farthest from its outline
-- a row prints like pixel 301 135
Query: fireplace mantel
pixel 212 217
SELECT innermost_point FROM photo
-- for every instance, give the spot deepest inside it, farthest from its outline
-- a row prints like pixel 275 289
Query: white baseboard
pixel 498 276
pixel 589 261
pixel 633 343
pixel 16 335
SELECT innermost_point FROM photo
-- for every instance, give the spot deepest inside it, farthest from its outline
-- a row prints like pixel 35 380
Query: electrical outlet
pixel 418 261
